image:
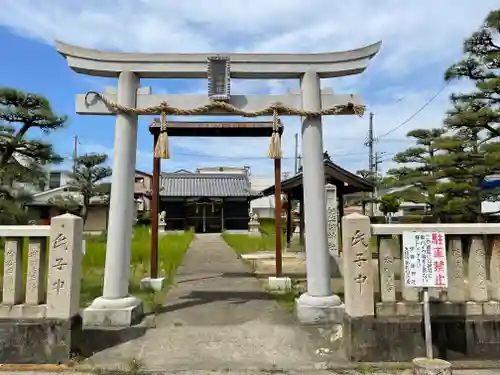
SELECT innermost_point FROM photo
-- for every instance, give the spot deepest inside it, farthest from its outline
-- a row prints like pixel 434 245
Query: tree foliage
pixel 465 166
pixel 480 66
pixel 389 204
pixel 418 178
pixel 86 180
pixel 22 159
pixel 472 154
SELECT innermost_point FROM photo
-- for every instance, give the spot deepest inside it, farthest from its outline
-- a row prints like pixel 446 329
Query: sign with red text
pixel 424 260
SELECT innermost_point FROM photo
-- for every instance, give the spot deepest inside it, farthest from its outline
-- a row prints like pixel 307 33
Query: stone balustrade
pixel 378 304
pixel 473 266
pixel 53 269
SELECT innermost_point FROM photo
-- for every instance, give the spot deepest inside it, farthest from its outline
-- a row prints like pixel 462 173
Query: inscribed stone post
pixel 65 258
pixel 456 286
pixel 35 276
pixel 332 219
pixel 13 271
pixel 358 278
pixel 478 291
pixel 386 270
pixel 495 269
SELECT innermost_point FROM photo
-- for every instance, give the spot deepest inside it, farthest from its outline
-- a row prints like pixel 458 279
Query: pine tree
pixel 22 159
pixel 471 152
pixel 86 180
pixel 419 177
pixel 466 163
pixel 480 108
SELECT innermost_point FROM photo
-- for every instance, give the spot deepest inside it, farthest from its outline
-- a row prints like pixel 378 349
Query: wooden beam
pixel 95 106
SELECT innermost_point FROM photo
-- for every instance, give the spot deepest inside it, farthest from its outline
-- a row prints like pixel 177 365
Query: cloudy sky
pixel 420 40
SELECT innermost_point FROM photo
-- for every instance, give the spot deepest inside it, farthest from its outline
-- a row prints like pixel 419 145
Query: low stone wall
pixel 39 318
pixel 37 341
pixel 396 339
pixel 384 316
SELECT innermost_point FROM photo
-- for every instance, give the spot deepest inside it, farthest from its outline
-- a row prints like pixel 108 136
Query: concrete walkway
pixel 217 316
pixel 263 372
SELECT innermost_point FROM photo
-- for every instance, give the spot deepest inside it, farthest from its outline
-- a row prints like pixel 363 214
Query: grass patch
pixel 171 250
pixel 243 243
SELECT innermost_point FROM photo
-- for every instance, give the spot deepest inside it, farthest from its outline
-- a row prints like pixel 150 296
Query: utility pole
pixel 371 164
pixel 377 162
pixel 75 152
pixel 296 157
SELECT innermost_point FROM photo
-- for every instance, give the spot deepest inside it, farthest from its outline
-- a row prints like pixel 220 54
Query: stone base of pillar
pixel 301 254
pixel 319 310
pixel 279 284
pixel 122 312
pixel 431 366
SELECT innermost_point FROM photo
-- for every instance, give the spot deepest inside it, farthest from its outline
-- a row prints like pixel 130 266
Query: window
pixel 54 180
pixel 139 180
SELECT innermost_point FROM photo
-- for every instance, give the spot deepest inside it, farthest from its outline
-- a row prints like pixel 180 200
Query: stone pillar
pixel 13 271
pixel 36 270
pixel 318 304
pixel 65 266
pixel 332 222
pixel 358 270
pixel 478 289
pixel 116 307
pixel 332 219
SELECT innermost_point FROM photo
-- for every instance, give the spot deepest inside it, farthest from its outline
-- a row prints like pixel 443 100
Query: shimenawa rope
pixel 274 151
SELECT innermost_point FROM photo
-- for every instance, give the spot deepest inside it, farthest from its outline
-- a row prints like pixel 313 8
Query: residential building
pixel 263 206
pixel 42 207
pixel 143 183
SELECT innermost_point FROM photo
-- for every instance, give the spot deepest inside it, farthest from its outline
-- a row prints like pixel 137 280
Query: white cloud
pixel 420 39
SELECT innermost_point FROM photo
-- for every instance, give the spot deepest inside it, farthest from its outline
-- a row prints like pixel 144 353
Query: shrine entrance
pixel 204 215
pixel 130 100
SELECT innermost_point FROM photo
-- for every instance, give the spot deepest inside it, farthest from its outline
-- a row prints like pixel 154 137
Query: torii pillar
pixel 116 306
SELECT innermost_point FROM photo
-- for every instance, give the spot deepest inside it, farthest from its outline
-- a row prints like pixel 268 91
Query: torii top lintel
pixel 194 65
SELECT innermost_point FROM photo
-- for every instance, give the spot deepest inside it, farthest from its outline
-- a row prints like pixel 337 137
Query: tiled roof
pixel 204 185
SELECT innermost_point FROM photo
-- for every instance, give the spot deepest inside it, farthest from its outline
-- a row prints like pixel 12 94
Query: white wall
pixel 264 207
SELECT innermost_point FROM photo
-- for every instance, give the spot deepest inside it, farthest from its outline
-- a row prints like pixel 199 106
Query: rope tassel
pixel 274 151
pixel 162 150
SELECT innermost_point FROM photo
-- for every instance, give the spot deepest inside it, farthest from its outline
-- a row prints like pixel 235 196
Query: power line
pixel 417 112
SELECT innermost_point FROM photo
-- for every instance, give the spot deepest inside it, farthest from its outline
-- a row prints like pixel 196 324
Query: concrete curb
pixel 375 366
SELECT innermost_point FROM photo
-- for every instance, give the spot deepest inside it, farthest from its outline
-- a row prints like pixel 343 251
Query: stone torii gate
pixel 116 306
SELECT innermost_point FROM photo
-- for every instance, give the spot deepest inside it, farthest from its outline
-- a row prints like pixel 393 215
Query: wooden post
pixel 289 224
pixel 277 214
pixel 154 211
pixel 222 216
